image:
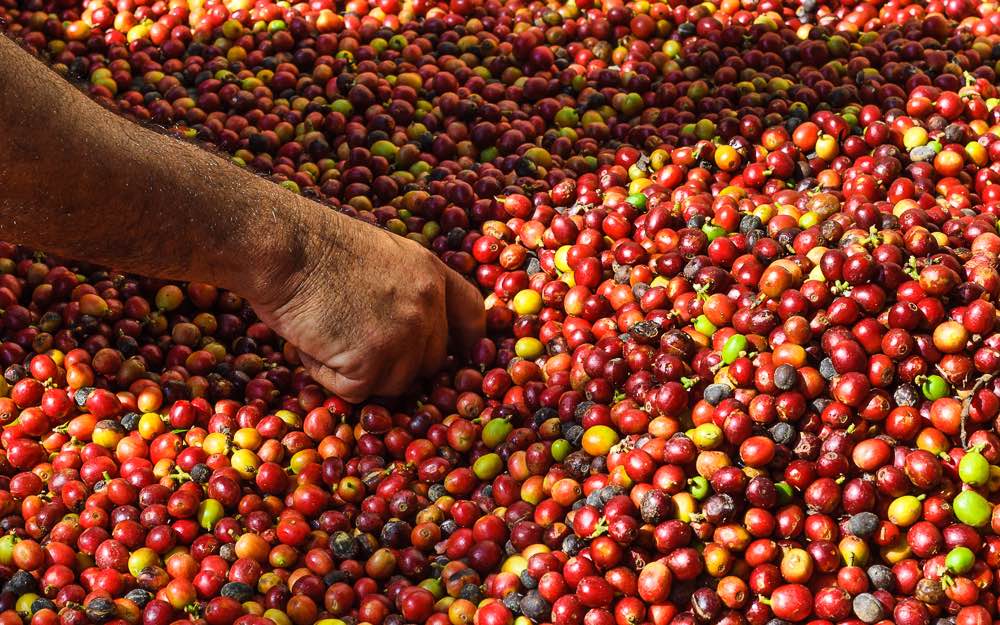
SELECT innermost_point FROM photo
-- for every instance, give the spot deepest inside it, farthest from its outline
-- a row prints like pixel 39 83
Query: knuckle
pixel 430 292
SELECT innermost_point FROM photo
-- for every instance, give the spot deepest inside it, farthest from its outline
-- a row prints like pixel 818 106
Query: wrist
pixel 287 254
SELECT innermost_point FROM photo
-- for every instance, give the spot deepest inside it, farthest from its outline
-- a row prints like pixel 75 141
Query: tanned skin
pixel 368 311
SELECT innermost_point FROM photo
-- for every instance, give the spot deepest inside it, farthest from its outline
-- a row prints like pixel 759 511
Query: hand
pixel 370 311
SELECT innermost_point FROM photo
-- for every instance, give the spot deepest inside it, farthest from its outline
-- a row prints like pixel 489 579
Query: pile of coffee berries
pixel 740 260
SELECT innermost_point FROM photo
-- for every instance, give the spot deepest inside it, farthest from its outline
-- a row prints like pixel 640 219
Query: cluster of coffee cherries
pixel 740 260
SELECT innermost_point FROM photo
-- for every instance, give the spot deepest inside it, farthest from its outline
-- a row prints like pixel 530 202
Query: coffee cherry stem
pixel 967 403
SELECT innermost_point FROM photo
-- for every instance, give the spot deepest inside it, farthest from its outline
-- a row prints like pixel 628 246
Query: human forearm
pixel 368 310
pixel 78 180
